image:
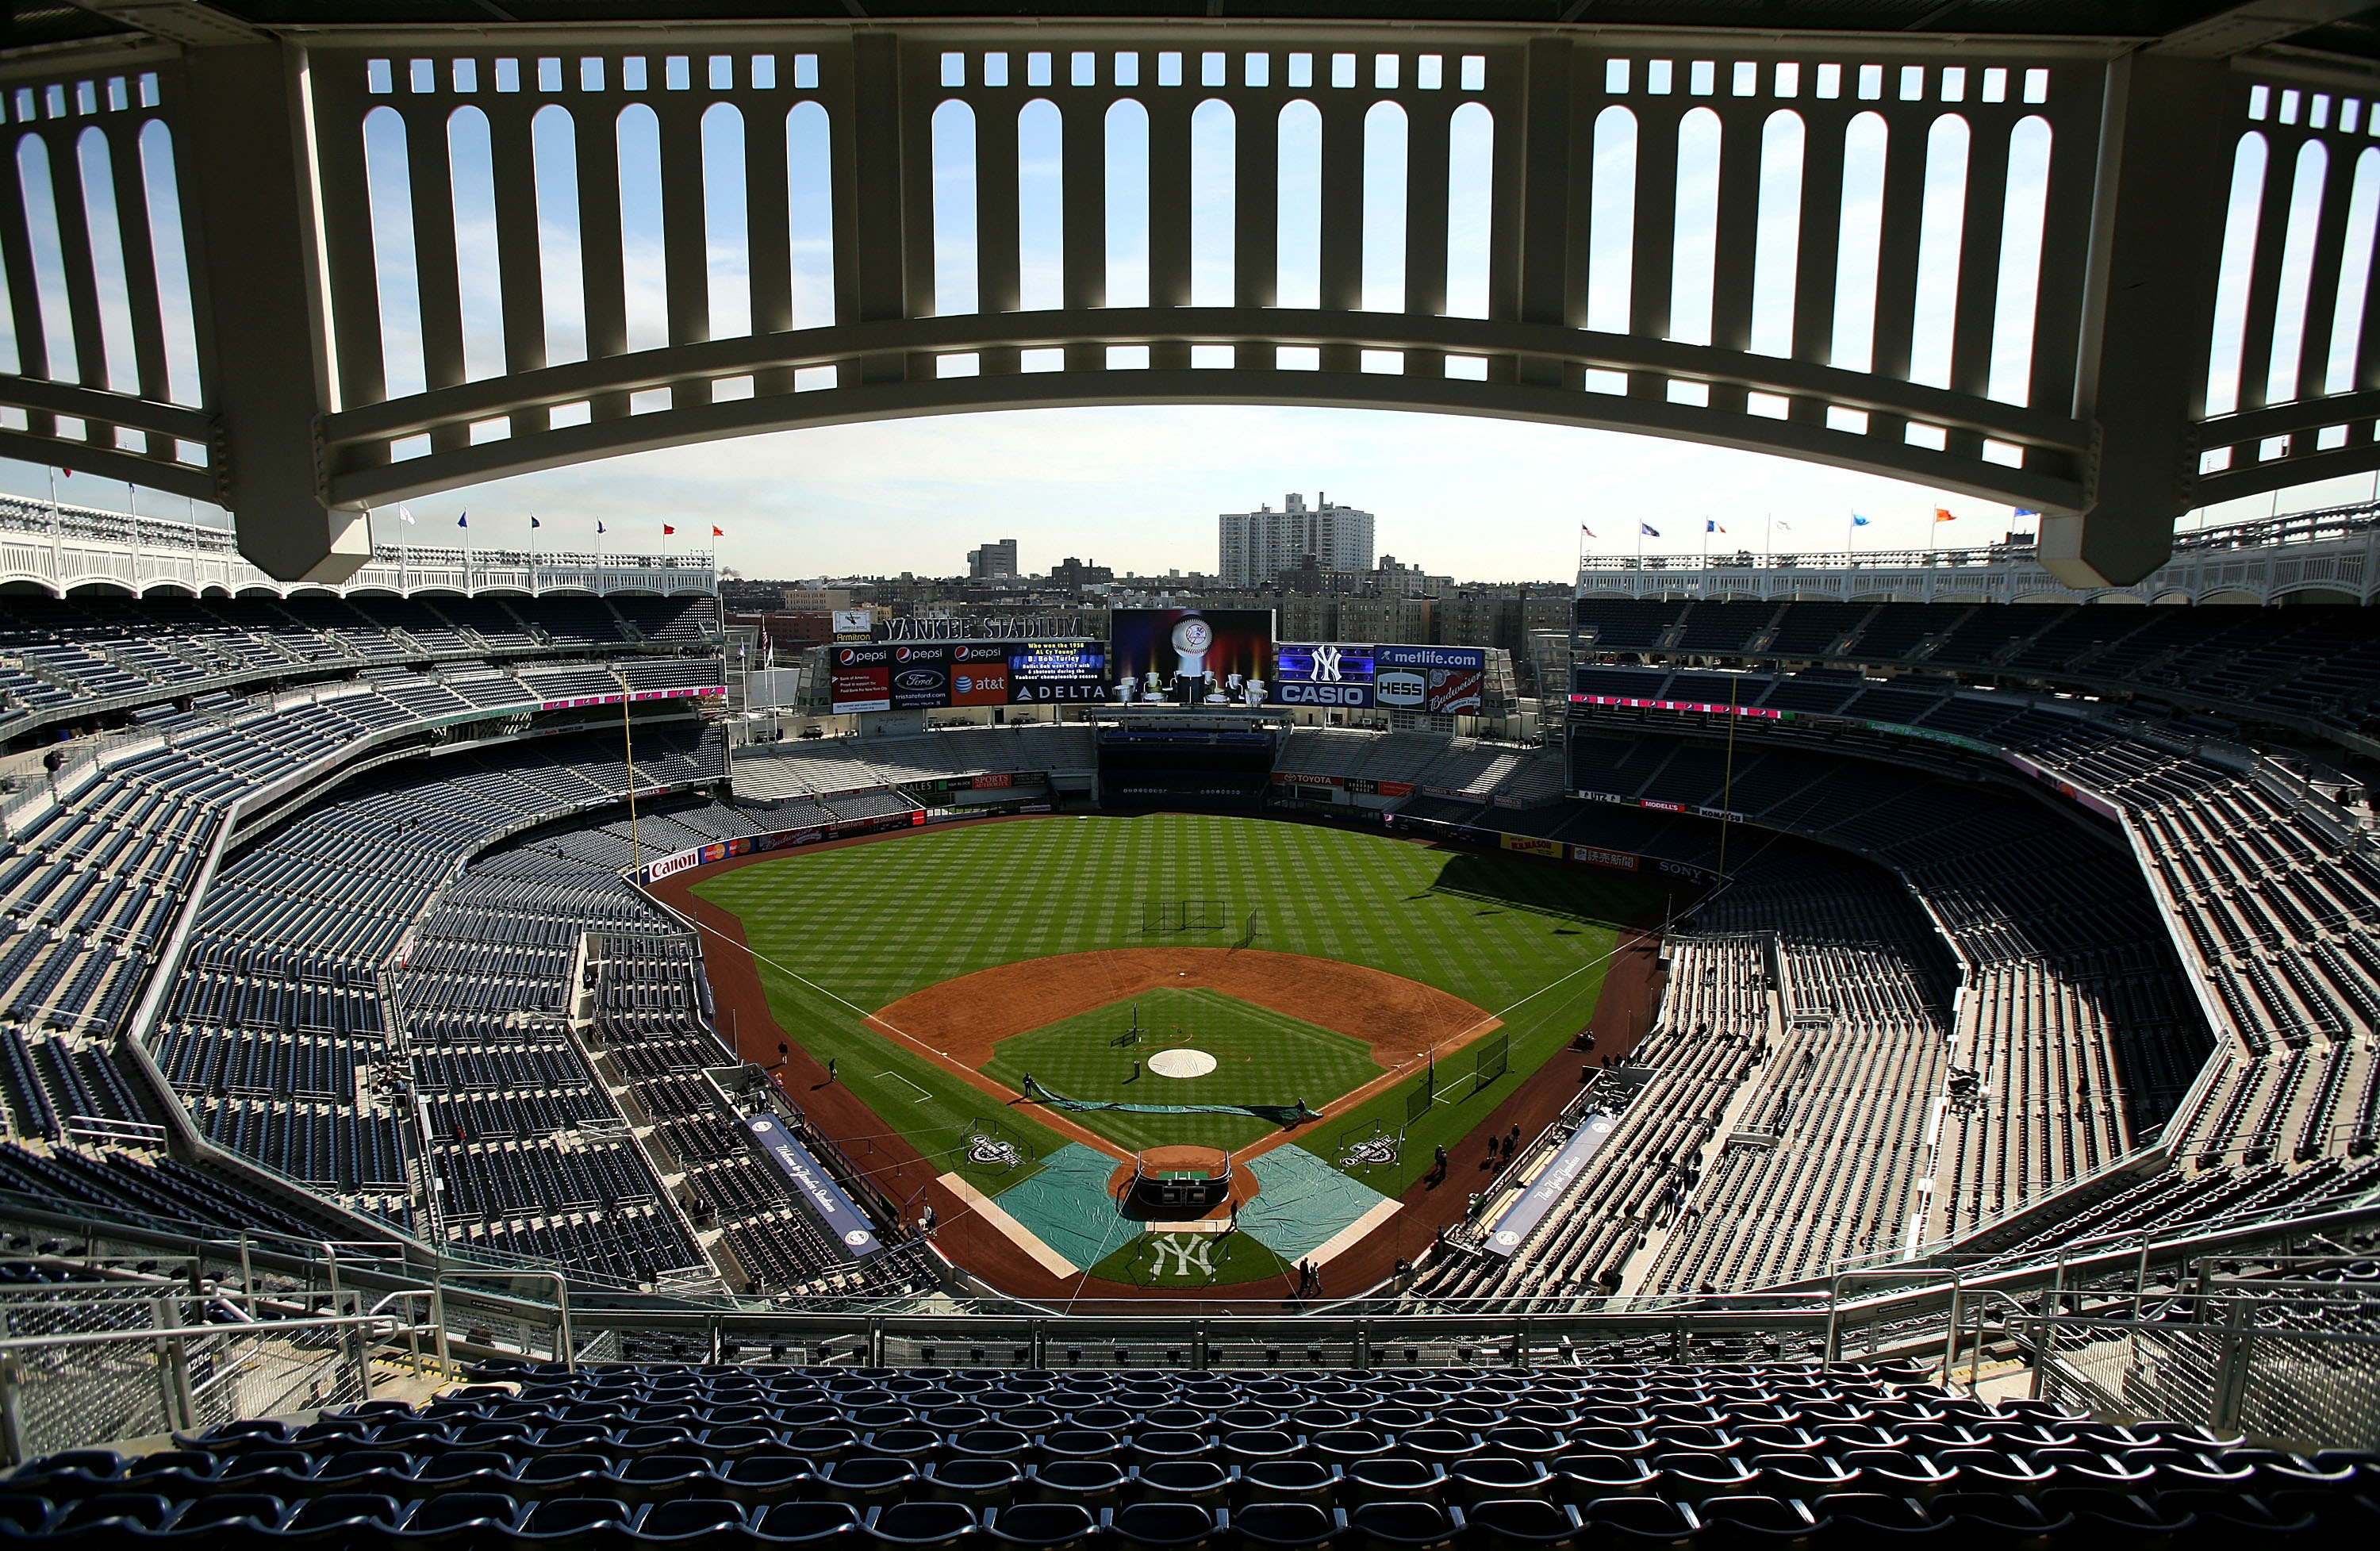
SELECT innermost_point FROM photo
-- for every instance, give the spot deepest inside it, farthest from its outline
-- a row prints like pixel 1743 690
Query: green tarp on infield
pixel 1067 1206
pixel 1302 1202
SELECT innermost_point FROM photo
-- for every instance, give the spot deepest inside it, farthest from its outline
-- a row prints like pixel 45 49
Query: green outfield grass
pixel 1261 1057
pixel 841 933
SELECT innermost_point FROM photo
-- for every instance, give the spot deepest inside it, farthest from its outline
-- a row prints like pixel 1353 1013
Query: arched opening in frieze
pixel 471 185
pixel 2312 168
pixel 2024 219
pixel 1470 208
pixel 1611 220
pixel 1385 152
pixel 1214 218
pixel 644 258
pixel 1860 247
pixel 1776 242
pixel 388 190
pixel 810 213
pixel 2248 167
pixel 954 210
pixel 1127 202
pixel 95 167
pixel 1299 277
pixel 1941 230
pixel 2340 373
pixel 727 259
pixel 561 275
pixel 1694 254
pixel 1042 202
pixel 162 193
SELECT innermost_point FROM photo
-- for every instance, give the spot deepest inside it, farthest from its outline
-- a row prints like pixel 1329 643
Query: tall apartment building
pixel 1256 546
pixel 996 558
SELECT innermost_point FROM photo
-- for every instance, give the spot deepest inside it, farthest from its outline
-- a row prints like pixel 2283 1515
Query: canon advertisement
pixel 1191 656
pixel 1444 680
pixel 1323 673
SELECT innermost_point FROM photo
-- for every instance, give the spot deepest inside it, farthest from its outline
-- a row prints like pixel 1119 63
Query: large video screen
pixel 1448 681
pixel 1047 673
pixel 860 678
pixel 1194 653
pixel 1323 673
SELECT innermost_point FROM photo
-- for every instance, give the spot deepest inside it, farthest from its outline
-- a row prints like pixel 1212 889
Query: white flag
pixel 405 514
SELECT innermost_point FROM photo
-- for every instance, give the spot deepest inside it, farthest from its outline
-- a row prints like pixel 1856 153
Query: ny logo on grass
pixel 1189 1250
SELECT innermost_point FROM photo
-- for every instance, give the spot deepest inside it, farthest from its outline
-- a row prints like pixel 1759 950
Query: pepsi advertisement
pixel 920 677
pixel 1323 673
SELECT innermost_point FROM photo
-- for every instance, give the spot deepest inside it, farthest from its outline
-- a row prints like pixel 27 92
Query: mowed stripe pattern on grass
pixel 866 924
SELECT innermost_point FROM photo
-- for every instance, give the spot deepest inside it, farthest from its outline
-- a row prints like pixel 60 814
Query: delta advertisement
pixel 938 676
pixel 1323 673
pixel 1193 655
pixel 1443 680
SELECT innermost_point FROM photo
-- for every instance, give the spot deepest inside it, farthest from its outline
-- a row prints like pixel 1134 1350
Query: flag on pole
pixel 2023 513
pixel 1858 521
pixel 667 528
pixel 1588 531
pixel 1786 525
pixel 405 514
pixel 718 532
pixel 533 522
pixel 1943 514
pixel 599 528
pixel 463 521
pixel 768 652
pixel 1648 531
pixel 1711 526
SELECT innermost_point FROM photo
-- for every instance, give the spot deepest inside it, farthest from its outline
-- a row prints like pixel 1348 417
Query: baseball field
pixel 1161 977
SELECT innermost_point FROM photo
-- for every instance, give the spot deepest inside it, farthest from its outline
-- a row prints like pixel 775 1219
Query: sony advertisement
pixel 1191 656
pixel 1445 681
pixel 1323 673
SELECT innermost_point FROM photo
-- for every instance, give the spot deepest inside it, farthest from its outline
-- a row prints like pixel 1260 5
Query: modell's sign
pixel 1597 857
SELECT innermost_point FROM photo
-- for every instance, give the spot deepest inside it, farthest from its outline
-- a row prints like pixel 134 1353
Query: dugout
pixel 1222 769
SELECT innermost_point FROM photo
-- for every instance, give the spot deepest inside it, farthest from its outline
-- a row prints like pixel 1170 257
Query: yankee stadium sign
pixel 986 627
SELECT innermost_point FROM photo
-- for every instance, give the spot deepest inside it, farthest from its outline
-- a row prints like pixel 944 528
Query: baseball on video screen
pixel 1323 673
pixel 1194 656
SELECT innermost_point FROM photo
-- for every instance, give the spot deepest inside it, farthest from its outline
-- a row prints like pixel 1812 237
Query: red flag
pixel 718 532
pixel 667 528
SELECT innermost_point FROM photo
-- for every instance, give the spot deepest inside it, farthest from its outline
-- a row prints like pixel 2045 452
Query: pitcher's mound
pixel 1181 1063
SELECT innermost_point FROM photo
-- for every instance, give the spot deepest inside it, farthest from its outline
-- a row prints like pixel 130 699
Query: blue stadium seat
pixel 573 1523
pixel 341 1519
pixel 920 1526
pixel 1282 1481
pixel 1092 1483
pixel 1393 1480
pixel 1040 1526
pixel 1289 1526
pixel 457 1519
pixel 1751 1519
pixel 1639 1522
pixel 1524 1524
pixel 1165 1527
pixel 1406 1526
pixel 1485 1476
pixel 689 1521
pixel 868 1481
pixel 977 1482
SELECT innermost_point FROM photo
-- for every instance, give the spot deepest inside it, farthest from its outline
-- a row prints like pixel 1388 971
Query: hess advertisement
pixel 1446 681
pixel 1323 673
pixel 1191 656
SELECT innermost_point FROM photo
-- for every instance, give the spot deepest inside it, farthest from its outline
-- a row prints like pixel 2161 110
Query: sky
pixel 1139 488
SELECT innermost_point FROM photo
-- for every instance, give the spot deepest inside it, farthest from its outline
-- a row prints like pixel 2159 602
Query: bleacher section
pixel 773 773
pixel 2314 668
pixel 1613 1454
pixel 73 657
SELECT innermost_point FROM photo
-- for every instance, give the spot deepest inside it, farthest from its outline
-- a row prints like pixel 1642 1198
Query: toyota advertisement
pixel 1323 673
pixel 1444 680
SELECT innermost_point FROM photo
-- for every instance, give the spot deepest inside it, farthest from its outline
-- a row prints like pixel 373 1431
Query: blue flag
pixel 1858 521
pixel 463 521
pixel 2023 513
pixel 533 522
pixel 1648 531
pixel 599 527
